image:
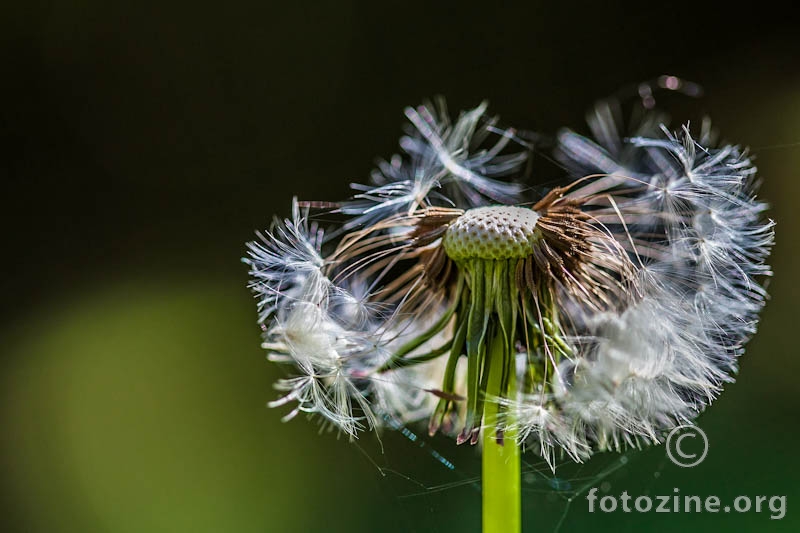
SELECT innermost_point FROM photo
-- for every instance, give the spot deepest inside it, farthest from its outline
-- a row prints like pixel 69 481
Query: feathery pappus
pixel 599 315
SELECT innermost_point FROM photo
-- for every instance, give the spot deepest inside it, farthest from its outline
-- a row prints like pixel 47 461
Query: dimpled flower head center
pixel 496 232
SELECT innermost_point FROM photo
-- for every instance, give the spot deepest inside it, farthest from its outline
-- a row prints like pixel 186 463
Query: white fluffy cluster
pixel 690 220
pixel 331 336
pixel 445 164
pixel 286 266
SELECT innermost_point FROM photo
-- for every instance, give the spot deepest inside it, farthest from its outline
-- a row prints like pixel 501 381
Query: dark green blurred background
pixel 141 145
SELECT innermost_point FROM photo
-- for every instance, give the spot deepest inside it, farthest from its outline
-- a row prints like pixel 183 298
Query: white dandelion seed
pixel 446 164
pixel 286 265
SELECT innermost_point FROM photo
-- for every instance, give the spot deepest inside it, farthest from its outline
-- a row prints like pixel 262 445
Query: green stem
pixel 501 457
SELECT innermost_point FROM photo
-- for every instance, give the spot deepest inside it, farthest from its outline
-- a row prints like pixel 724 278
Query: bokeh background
pixel 141 145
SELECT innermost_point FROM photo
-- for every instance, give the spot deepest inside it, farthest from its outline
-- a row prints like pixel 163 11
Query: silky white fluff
pixel 331 336
pixel 660 362
pixel 446 163
pixel 286 265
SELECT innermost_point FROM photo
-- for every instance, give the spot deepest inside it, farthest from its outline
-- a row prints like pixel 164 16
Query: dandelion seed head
pixel 615 306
